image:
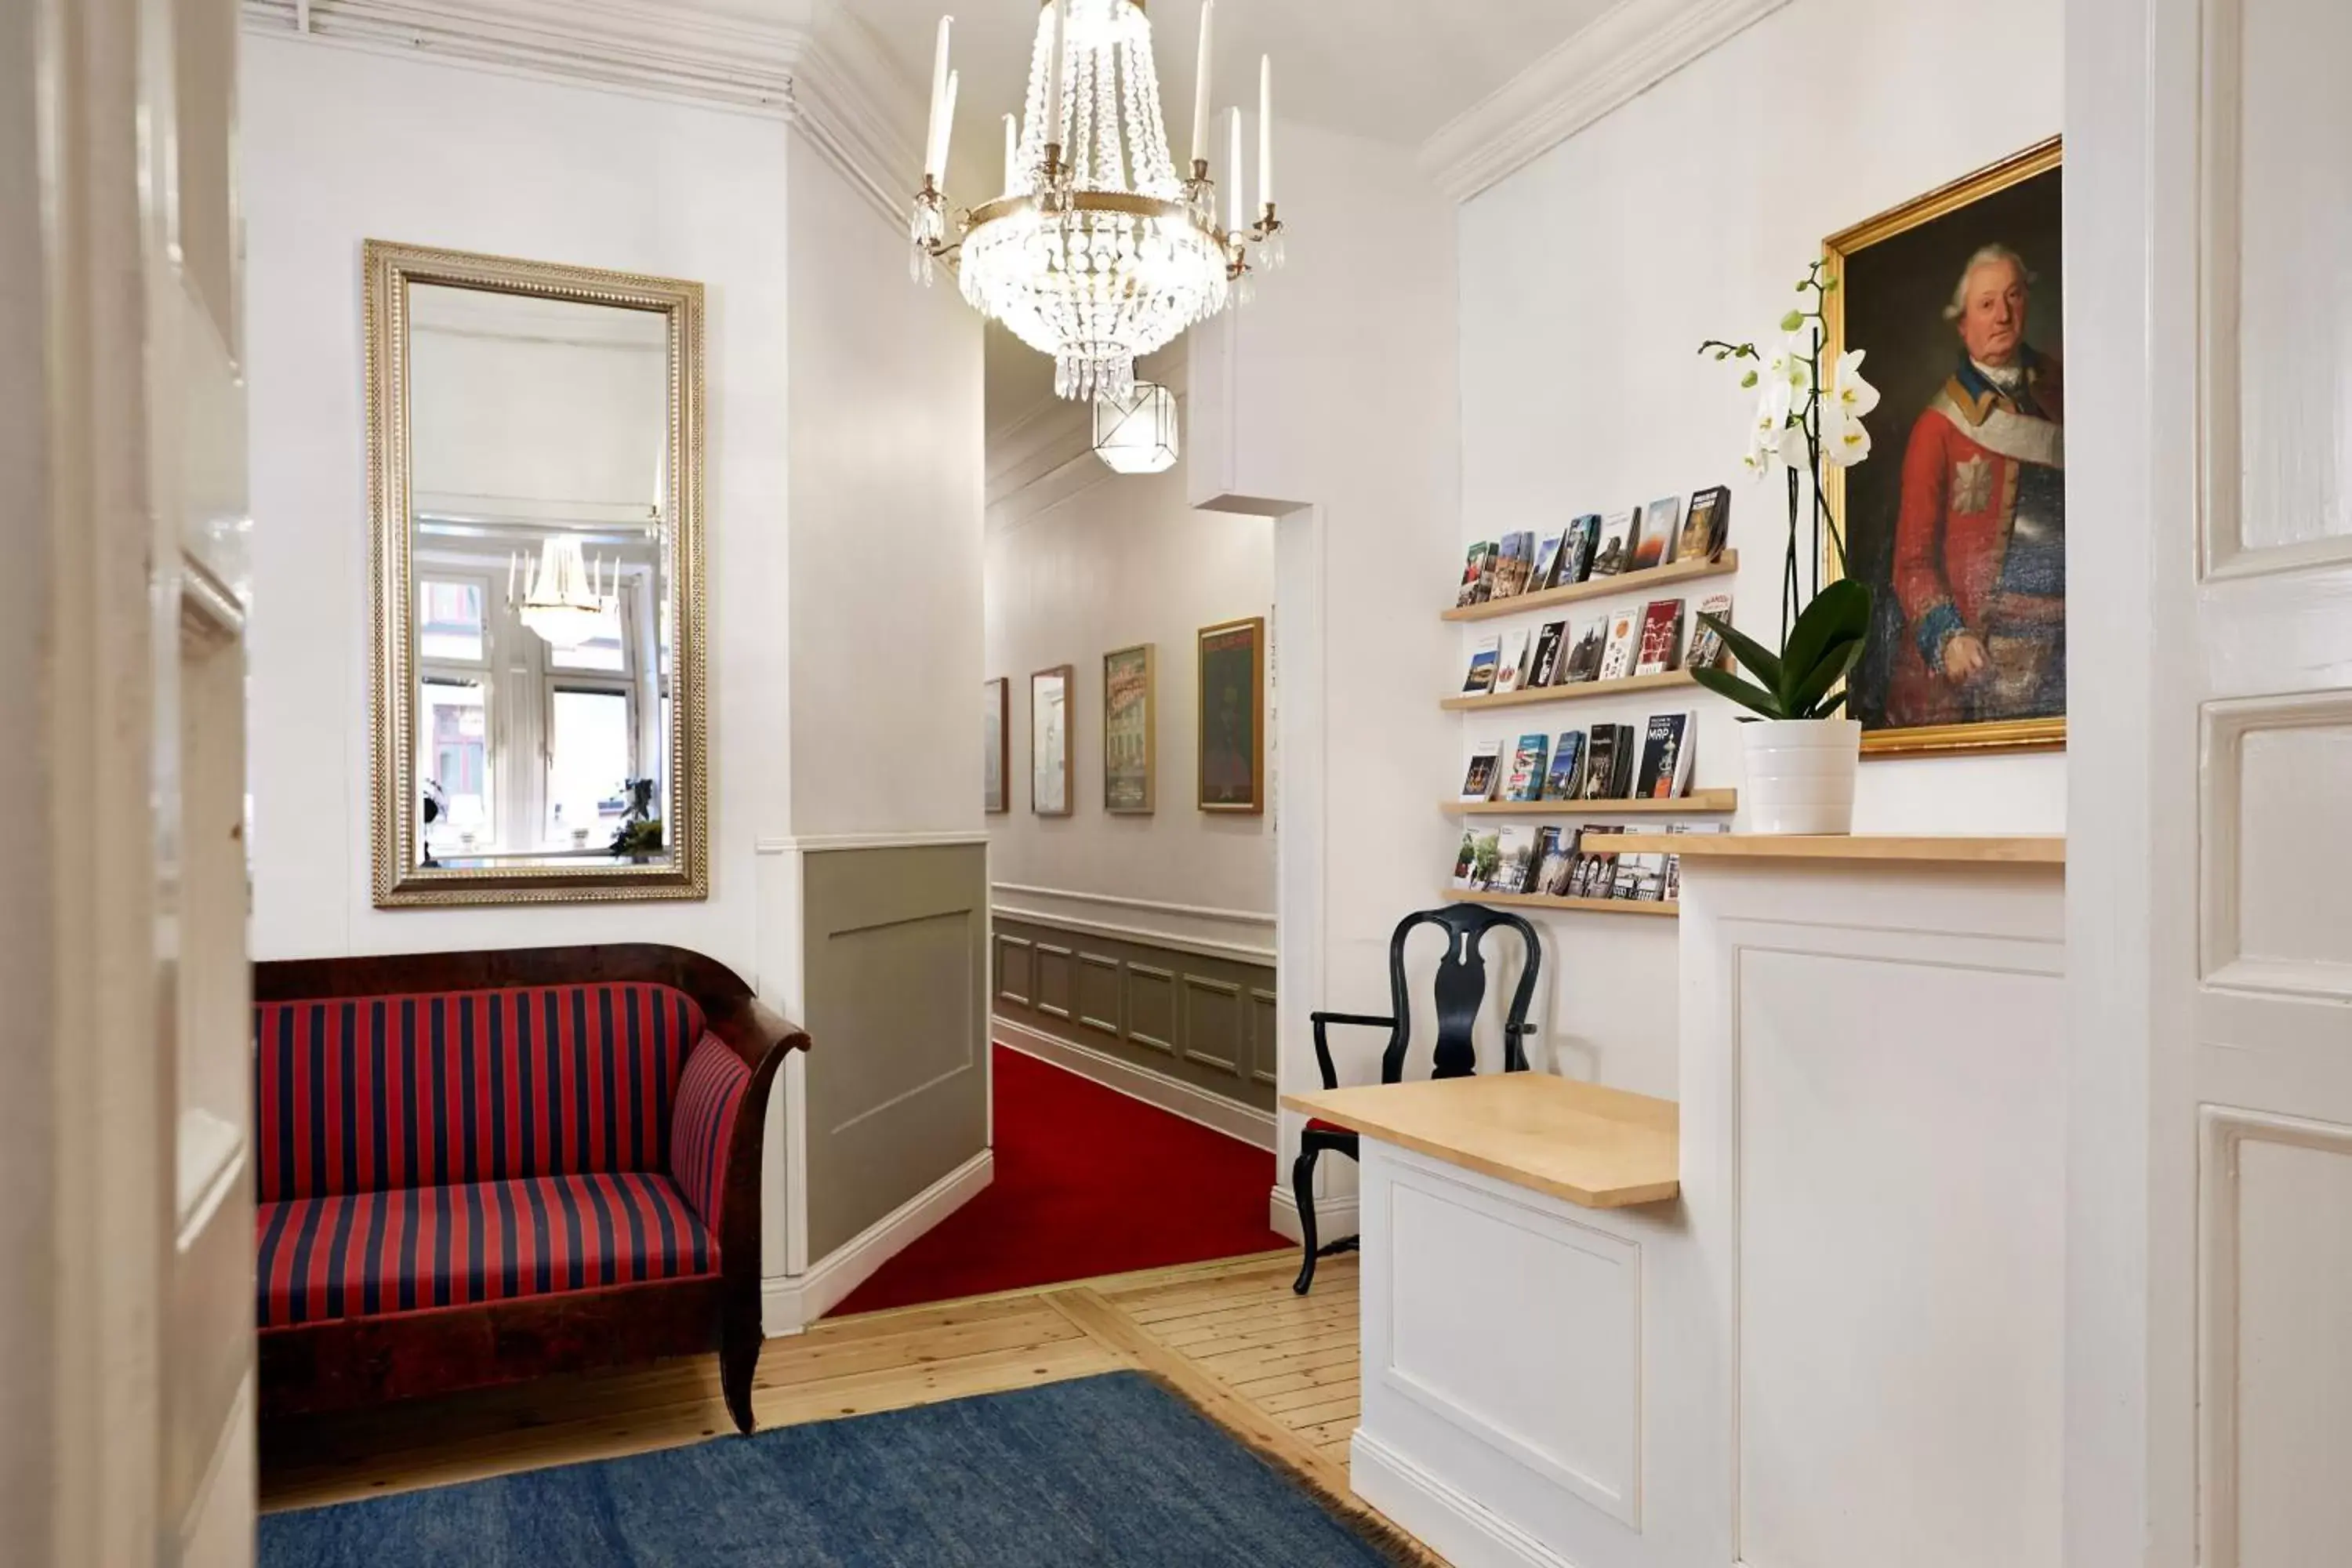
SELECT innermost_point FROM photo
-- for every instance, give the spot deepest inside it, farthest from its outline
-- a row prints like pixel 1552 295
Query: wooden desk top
pixel 2035 849
pixel 1601 1148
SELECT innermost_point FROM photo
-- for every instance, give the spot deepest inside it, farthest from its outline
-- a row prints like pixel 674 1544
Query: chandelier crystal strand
pixel 1121 251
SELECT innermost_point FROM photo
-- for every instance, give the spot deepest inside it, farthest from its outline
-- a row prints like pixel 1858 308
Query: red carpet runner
pixel 1087 1181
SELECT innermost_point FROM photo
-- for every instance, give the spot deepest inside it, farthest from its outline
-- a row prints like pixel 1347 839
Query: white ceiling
pixel 1391 69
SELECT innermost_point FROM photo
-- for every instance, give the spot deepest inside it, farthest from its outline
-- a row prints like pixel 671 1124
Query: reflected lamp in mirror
pixel 560 600
pixel 1137 435
pixel 535 447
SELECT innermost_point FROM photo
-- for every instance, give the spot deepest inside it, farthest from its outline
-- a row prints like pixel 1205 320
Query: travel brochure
pixel 1568 862
pixel 1637 539
pixel 1647 640
pixel 1608 761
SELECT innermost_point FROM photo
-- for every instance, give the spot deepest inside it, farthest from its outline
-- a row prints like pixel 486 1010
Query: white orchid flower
pixel 1846 398
pixel 1766 437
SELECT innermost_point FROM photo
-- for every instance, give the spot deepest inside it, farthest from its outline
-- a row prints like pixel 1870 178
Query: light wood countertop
pixel 2035 849
pixel 1601 1148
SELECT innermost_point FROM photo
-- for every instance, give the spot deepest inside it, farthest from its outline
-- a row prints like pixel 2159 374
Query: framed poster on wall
pixel 1232 716
pixel 1128 720
pixel 1049 740
pixel 996 721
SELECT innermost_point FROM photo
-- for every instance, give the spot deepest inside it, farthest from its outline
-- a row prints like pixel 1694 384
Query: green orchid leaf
pixel 1832 668
pixel 1838 612
pixel 1829 709
pixel 1754 657
pixel 1747 693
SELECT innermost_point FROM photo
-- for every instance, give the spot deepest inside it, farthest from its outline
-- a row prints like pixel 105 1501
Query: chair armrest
pixel 1323 1046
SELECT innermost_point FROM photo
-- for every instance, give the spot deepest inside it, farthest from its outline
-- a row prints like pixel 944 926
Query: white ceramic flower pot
pixel 1801 774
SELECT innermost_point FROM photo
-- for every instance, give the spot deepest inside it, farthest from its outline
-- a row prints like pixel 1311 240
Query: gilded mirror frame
pixel 400 880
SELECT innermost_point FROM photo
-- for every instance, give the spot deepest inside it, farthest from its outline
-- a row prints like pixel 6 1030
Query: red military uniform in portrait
pixel 1980 550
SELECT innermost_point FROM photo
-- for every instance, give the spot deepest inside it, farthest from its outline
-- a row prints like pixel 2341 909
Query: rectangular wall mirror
pixel 535 478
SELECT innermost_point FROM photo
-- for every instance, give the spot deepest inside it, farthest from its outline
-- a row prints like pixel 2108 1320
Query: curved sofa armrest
pixel 754 1029
pixel 759 1038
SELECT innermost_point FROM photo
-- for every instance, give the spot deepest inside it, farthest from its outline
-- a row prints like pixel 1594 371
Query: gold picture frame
pixel 1131 720
pixel 2043 158
pixel 1232 722
pixel 403 877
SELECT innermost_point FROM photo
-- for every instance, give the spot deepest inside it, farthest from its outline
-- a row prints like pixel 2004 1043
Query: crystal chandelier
pixel 559 600
pixel 1099 252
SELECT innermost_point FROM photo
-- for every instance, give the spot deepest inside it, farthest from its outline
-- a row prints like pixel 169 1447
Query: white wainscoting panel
pixel 1874 1165
pixel 1506 1360
pixel 1565 1402
pixel 2274 1272
pixel 1901 1262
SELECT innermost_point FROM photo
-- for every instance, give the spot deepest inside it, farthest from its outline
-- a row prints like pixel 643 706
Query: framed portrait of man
pixel 1958 519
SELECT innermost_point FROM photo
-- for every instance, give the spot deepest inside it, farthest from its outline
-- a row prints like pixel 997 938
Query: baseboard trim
pixel 1442 1516
pixel 1334 1217
pixel 790 1304
pixel 1246 1123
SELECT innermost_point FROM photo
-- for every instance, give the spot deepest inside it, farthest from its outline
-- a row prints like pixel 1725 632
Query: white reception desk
pixel 1809 1317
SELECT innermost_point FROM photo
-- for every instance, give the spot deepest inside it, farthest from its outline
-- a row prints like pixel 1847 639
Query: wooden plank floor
pixel 1276 1369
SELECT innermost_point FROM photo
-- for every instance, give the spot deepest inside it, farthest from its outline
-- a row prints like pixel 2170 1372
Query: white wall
pixel 1081 562
pixel 1332 404
pixel 886 490
pixel 1588 280
pixel 341 146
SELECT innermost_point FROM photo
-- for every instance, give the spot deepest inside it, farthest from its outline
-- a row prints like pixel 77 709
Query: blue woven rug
pixel 1103 1470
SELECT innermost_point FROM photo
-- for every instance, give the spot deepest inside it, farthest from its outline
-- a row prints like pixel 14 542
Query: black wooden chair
pixel 1461 991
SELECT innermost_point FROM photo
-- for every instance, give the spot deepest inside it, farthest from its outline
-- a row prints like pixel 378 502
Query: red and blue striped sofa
pixel 480 1167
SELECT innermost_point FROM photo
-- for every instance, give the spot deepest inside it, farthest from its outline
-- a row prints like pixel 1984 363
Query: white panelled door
pixel 2209 338
pixel 139 756
pixel 197 446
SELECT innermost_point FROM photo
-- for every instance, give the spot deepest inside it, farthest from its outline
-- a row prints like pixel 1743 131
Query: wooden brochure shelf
pixel 1699 802
pixel 1540 901
pixel 2033 849
pixel 1575 693
pixel 1722 565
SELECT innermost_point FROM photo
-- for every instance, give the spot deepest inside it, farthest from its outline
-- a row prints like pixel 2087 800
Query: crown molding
pixel 858 111
pixel 1623 53
pixel 810 63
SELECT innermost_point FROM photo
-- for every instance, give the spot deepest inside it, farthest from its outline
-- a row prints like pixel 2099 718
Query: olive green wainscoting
pixel 1202 1020
pixel 893 966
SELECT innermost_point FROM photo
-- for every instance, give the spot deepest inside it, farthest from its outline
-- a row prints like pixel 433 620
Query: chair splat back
pixel 1461 990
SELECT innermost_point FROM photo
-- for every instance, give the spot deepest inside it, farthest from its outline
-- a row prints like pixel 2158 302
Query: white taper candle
pixel 1201 84
pixel 1266 130
pixel 1234 170
pixel 946 127
pixel 1054 73
pixel 938 97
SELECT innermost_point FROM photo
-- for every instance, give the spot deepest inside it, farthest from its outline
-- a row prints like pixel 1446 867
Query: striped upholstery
pixel 370 1253
pixel 382 1093
pixel 712 1086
